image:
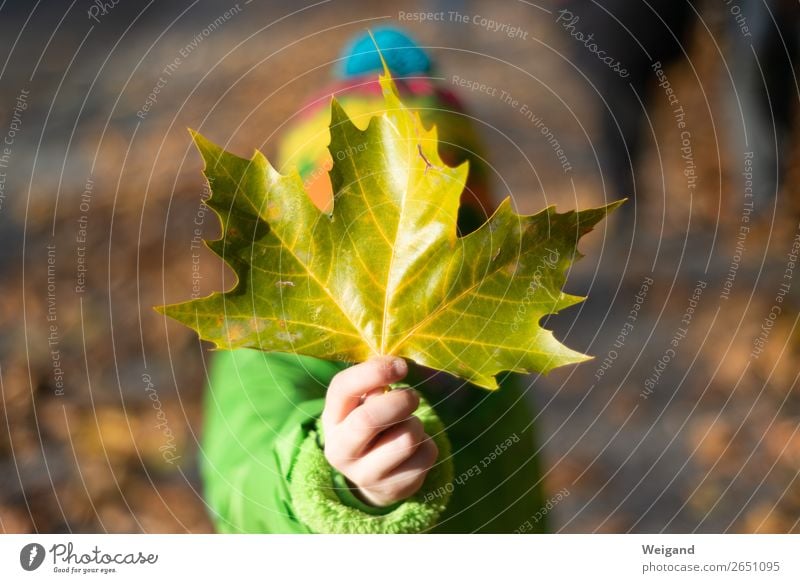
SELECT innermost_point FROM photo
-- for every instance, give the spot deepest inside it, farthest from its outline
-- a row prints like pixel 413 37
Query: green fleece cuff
pixel 349 498
pixel 324 506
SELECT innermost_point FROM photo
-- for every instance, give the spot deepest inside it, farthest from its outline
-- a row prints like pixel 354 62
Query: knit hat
pixel 304 144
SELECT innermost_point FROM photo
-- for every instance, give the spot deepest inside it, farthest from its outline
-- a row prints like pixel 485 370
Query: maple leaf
pixel 385 272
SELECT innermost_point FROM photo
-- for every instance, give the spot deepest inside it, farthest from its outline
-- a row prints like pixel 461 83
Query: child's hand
pixel 371 436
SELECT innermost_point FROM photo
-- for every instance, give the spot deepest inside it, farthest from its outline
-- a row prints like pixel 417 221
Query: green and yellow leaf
pixel 385 273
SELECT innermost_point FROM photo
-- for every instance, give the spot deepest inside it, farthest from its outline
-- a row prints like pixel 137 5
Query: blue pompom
pixel 402 54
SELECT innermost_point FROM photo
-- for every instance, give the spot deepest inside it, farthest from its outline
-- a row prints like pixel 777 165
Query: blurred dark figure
pixel 762 39
pixel 762 50
pixel 637 34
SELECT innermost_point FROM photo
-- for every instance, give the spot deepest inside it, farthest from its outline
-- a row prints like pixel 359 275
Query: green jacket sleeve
pixel 262 461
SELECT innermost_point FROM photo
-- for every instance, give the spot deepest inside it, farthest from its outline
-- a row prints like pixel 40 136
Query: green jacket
pixel 265 471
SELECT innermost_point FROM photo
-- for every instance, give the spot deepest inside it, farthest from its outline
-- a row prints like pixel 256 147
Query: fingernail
pixel 399 367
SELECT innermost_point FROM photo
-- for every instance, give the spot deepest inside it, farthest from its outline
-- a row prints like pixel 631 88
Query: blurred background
pixel 687 419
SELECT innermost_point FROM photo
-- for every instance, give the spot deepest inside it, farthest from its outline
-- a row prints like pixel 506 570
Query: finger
pixel 356 433
pixel 394 446
pixel 404 481
pixel 347 387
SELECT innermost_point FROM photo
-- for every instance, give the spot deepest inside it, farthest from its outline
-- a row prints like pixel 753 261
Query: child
pixel 294 444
